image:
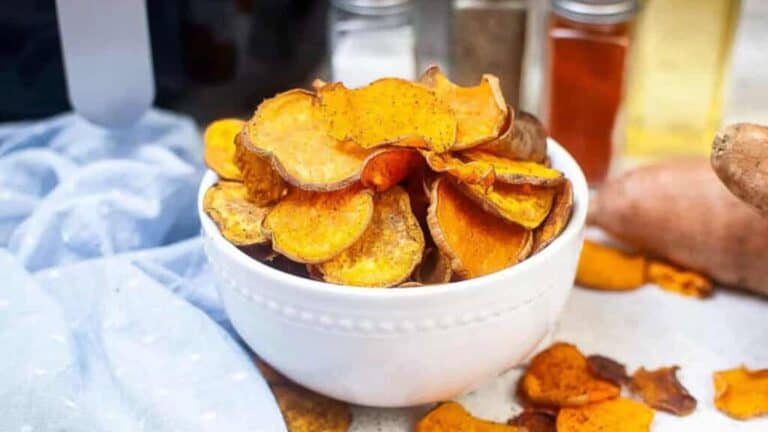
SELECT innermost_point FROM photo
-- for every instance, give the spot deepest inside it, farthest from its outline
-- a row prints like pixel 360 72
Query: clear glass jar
pixel 370 39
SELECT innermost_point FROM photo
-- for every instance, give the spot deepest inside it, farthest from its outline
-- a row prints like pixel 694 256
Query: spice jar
pixel 588 43
pixel 370 39
pixel 489 37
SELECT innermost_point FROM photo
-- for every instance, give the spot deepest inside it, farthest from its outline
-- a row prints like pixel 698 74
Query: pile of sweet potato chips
pixel 397 183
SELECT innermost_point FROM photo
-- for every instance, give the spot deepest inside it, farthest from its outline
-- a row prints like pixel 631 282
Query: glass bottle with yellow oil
pixel 678 69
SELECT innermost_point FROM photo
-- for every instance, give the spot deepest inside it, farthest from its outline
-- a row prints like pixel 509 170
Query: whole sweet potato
pixel 681 211
pixel 740 159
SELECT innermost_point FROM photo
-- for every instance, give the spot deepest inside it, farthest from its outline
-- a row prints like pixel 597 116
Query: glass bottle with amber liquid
pixel 588 41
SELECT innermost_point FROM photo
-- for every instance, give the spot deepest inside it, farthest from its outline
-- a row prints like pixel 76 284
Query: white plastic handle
pixel 107 59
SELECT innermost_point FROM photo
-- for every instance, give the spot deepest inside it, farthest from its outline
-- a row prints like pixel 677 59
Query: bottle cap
pixel 595 11
pixel 373 7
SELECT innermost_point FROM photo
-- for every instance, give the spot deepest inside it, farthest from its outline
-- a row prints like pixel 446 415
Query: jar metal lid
pixel 595 11
pixel 373 7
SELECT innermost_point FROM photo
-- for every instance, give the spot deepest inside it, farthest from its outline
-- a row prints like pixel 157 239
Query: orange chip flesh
pixel 313 227
pixel 435 268
pixel 619 414
pixel 466 172
pixel 238 219
pixel 557 219
pixel 661 389
pixel 387 252
pixel 741 393
pixel 605 268
pixel 480 110
pixel 476 242
pixel 264 184
pixel 559 376
pixel 388 111
pixel 452 417
pixel 388 167
pixel 524 205
pixel 686 283
pixel 219 152
pixel 522 138
pixel 607 369
pixel 271 376
pixel 306 411
pixel 288 129
pixel 515 171
pixel 534 421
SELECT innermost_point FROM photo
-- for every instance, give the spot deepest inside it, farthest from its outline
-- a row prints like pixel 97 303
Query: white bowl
pixel 402 346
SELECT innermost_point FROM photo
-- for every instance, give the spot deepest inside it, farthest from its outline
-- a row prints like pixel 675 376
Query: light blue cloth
pixel 109 315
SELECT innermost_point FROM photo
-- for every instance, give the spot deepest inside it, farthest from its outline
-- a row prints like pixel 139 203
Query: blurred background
pixel 642 79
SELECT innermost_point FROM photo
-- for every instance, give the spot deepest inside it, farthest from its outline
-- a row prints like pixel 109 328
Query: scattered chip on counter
pixel 535 421
pixel 741 393
pixel 271 376
pixel 452 417
pixel 306 411
pixel 238 219
pixel 619 414
pixel 607 369
pixel 687 283
pixel 605 268
pixel 661 390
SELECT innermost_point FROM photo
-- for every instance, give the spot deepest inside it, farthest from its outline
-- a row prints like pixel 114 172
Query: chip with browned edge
pixel 683 282
pixel 607 369
pixel 557 219
pixel 534 421
pixel 387 252
pixel 452 417
pixel 466 172
pixel 219 152
pixel 476 242
pixel 741 393
pixel 289 131
pixel 435 268
pixel 387 167
pixel 524 138
pixel 605 268
pixel 480 110
pixel 313 227
pixel 615 415
pixel 388 111
pixel 515 171
pixel 264 184
pixel 306 411
pixel 524 205
pixel 270 375
pixel 661 390
pixel 238 219
pixel 559 376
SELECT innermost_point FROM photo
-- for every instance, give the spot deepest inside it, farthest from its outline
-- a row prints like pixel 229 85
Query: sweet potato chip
pixel 476 243
pixel 288 130
pixel 238 219
pixel 466 172
pixel 559 376
pixel 605 268
pixel 660 389
pixel 480 110
pixel 388 167
pixel 452 417
pixel 219 152
pixel 387 252
pixel 557 219
pixel 515 171
pixel 619 414
pixel 306 411
pixel 606 368
pixel 524 138
pixel 271 376
pixel 410 284
pixel 313 227
pixel 534 421
pixel 264 184
pixel 687 283
pixel 388 111
pixel 435 268
pixel 742 393
pixel 524 205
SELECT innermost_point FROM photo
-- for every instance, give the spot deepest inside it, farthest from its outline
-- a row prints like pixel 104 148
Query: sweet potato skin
pixel 681 211
pixel 740 159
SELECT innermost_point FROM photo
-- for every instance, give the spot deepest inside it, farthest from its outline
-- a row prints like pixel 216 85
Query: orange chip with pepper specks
pixel 313 227
pixel 515 171
pixel 524 205
pixel 388 111
pixel 387 252
pixel 742 393
pixel 238 219
pixel 559 376
pixel 535 421
pixel 661 390
pixel 452 417
pixel 264 184
pixel 306 411
pixel 219 152
pixel 618 414
pixel 476 243
pixel 480 110
pixel 466 172
pixel 687 283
